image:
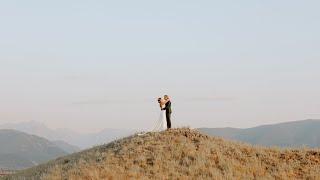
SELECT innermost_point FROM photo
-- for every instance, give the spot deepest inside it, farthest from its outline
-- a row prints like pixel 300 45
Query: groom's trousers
pixel 168 117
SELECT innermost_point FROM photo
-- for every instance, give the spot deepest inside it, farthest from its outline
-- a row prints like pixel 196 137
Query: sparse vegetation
pixel 180 154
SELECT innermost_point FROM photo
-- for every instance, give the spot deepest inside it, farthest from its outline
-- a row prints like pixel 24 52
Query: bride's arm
pixel 163 102
pixel 160 101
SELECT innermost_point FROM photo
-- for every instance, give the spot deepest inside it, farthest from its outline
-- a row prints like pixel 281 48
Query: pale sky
pixel 89 65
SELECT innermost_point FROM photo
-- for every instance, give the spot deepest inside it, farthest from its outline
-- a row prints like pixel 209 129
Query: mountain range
pixel 20 150
pixel 75 139
pixel 289 134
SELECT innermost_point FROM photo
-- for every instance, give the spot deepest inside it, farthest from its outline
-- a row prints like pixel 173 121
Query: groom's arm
pixel 167 107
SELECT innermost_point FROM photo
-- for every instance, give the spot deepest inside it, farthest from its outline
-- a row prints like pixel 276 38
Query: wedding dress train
pixel 160 125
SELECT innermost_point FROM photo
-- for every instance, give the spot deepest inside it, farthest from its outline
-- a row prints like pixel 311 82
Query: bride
pixel 161 123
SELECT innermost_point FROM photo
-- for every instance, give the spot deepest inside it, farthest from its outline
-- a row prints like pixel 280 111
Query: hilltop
pixel 179 153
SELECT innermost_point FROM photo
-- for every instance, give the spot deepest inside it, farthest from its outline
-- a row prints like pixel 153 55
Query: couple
pixel 164 120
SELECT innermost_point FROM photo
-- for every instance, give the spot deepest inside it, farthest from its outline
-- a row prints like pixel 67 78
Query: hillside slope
pixel 19 150
pixel 289 134
pixel 179 153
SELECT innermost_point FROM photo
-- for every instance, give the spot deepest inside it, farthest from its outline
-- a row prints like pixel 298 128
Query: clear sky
pixel 89 65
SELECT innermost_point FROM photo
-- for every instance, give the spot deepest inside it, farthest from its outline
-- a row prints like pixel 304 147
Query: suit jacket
pixel 168 107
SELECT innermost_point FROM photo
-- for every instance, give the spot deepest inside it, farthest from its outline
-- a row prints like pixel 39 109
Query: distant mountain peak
pixel 20 150
pixel 285 134
pixel 82 140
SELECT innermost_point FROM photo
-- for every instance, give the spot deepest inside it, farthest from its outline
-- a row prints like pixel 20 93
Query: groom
pixel 168 110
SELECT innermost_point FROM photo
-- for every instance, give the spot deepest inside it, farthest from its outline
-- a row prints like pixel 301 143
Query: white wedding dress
pixel 161 124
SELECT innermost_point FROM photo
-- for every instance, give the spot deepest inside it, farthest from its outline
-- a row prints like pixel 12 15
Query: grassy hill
pixel 179 154
pixel 19 150
pixel 289 134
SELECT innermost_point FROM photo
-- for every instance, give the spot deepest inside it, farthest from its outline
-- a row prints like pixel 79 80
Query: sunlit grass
pixel 182 154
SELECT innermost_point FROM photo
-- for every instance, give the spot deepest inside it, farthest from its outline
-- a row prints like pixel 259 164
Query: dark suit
pixel 168 114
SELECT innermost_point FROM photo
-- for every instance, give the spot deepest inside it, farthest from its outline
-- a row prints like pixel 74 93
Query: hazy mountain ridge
pixel 179 154
pixel 20 150
pixel 288 134
pixel 66 147
pixel 81 140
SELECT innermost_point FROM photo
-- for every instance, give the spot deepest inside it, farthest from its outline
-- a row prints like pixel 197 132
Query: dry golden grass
pixel 180 154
